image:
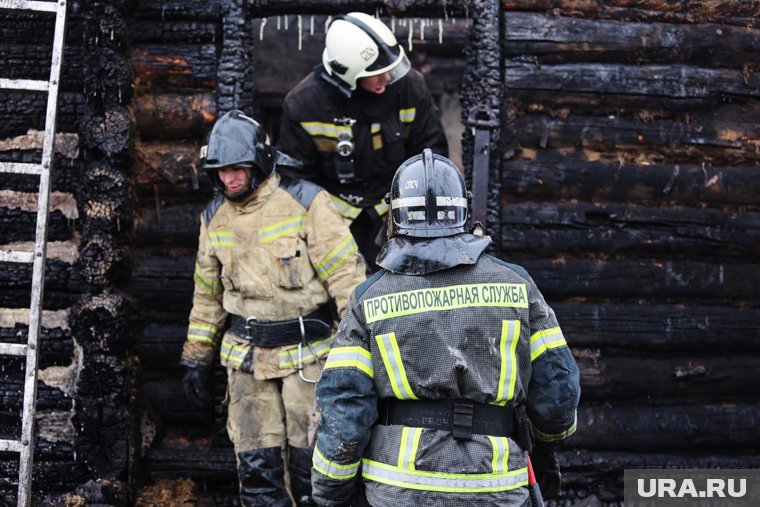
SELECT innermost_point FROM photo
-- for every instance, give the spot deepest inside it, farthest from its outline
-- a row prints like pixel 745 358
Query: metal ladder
pixel 25 445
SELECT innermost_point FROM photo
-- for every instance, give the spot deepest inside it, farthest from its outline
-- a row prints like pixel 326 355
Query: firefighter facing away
pixel 446 367
pixel 273 251
pixel 356 118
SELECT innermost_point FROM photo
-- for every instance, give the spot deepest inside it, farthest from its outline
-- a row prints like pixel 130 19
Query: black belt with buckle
pixel 276 333
pixel 462 417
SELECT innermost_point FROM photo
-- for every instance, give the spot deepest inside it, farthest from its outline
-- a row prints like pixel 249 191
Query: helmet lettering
pixel 411 184
pixel 368 53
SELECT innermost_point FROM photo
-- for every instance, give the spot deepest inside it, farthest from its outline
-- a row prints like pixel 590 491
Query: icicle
pixel 278 22
pixel 162 13
pixel 300 36
pixel 111 33
pixel 311 25
pixel 119 95
pixel 422 29
pixel 286 21
pixel 411 33
pixel 261 28
pixel 445 11
pixel 327 22
pixel 377 12
pixel 440 31
pixel 393 24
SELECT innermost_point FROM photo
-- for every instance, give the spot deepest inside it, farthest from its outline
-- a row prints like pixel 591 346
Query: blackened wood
pixel 159 345
pixel 612 376
pixel 553 228
pixel 182 458
pixel 103 263
pixel 399 8
pixel 32 61
pixel 556 39
pixel 552 176
pixel 174 116
pixel 19 225
pixel 667 329
pixel 24 111
pixel 668 427
pixel 169 171
pixel 101 324
pixel 176 225
pixel 166 31
pixel 107 76
pixel 654 80
pixel 173 68
pixel 56 345
pixel 107 132
pixel 179 9
pixel 162 393
pixel 163 283
pixel 63 178
pixel 59 276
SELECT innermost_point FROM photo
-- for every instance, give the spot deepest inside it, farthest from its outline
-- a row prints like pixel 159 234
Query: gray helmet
pixel 237 139
pixel 428 198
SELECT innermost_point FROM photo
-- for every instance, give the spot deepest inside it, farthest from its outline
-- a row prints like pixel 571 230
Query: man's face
pixel 375 84
pixel 235 178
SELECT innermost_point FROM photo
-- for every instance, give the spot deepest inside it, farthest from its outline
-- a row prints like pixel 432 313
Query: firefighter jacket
pixel 479 330
pixel 278 255
pixel 388 129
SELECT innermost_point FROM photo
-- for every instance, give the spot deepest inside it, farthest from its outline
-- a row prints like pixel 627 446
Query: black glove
pixel 197 384
pixel 546 468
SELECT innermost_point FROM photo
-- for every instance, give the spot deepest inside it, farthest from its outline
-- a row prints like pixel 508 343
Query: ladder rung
pixel 20 168
pixel 13 349
pixel 29 5
pixel 10 446
pixel 23 84
pixel 16 256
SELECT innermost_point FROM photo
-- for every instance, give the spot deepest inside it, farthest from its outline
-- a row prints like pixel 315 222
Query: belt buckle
pixel 249 323
pixel 462 420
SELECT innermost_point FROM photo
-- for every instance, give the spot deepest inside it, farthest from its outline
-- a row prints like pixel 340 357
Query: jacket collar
pixel 259 196
pixel 420 256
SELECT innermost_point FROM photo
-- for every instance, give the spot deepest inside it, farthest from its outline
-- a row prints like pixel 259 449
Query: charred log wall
pixel 630 162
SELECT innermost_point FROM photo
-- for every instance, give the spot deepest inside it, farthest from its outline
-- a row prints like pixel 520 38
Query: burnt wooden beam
pixel 172 116
pixel 24 111
pixel 544 228
pixel 557 39
pixel 182 458
pixel 19 225
pixel 32 61
pixel 162 31
pixel 169 171
pixel 204 10
pixel 17 278
pixel 176 225
pixel 178 67
pixel 63 178
pixel 399 8
pixel 551 176
pixel 660 328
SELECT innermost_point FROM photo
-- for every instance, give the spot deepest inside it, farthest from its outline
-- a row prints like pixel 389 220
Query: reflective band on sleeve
pixel 391 355
pixel 399 304
pixel 346 210
pixel 500 460
pixel 289 358
pixel 407 115
pixel 331 469
pixel 510 337
pixel 202 333
pixel 375 128
pixel 381 208
pixel 211 287
pixel 222 239
pixel 233 353
pixel 351 357
pixel 290 226
pixel 548 437
pixel 541 341
pixel 451 201
pixel 407 452
pixel 407 202
pixel 316 128
pixel 336 257
pixel 441 481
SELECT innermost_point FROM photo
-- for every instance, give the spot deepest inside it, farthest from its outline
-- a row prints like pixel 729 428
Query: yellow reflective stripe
pixel 272 232
pixel 336 257
pixel 391 355
pixel 210 287
pixel 345 209
pixel 375 128
pixel 351 357
pixel 543 340
pixel 224 239
pixel 233 353
pixel 381 208
pixel 500 460
pixel 407 115
pixel 410 442
pixel 316 128
pixel 441 481
pixel 289 358
pixel 510 334
pixel 399 304
pixel 333 470
pixel 202 333
pixel 549 437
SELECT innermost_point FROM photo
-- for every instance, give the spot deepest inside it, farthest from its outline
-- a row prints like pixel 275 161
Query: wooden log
pixel 717 427
pixel 163 283
pixel 19 225
pixel 398 8
pixel 553 228
pixel 183 458
pixel 165 170
pixel 173 68
pixel 610 376
pixel 202 10
pixel 177 225
pixel 174 116
pixel 163 395
pixel 107 76
pixel 56 345
pixel 715 139
pixel 668 329
pixel 674 80
pixel 59 275
pixel 552 176
pixel 557 39
pixel 23 111
pixel 101 323
pixel 32 61
pixel 108 131
pixel 103 263
pixel 159 345
pixel 162 31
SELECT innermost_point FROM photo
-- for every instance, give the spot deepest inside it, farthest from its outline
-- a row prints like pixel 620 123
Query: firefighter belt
pixel 276 333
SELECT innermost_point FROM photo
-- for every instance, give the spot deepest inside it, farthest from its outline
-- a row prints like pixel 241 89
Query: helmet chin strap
pixel 256 179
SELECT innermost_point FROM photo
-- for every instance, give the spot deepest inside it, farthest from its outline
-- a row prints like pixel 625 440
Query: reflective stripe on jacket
pixel 481 332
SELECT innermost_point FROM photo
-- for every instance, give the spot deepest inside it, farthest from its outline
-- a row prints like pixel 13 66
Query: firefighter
pixel 356 118
pixel 273 252
pixel 447 365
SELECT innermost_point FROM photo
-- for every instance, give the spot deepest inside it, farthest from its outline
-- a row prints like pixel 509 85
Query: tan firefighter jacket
pixel 277 256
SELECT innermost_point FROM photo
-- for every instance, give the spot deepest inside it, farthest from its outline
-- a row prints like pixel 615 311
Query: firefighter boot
pixel 300 476
pixel 261 474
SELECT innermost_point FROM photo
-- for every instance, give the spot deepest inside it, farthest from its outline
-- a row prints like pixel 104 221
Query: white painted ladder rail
pixel 25 445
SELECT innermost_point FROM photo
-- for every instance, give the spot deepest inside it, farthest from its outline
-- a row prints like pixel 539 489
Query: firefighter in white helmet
pixel 446 367
pixel 355 118
pixel 273 252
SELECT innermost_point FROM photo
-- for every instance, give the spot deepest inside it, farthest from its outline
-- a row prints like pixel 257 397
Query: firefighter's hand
pixel 546 468
pixel 197 384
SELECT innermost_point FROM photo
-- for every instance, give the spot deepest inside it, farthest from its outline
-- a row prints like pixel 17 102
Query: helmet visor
pixel 446 214
pixel 396 69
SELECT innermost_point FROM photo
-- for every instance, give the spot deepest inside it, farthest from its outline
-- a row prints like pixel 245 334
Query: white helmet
pixel 358 45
